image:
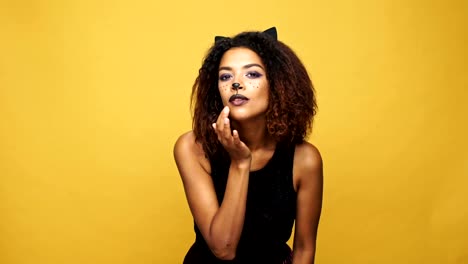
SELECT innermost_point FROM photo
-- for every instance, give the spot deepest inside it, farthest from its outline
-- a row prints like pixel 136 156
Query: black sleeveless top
pixel 269 216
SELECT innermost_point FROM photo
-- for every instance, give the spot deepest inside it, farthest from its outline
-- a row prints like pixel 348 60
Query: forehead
pixel 240 56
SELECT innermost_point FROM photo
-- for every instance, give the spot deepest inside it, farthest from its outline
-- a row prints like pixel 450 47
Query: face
pixel 242 67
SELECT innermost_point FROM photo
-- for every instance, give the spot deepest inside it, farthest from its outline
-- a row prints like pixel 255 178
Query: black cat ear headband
pixel 270 32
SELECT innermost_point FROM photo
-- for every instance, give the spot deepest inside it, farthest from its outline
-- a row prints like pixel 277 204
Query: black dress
pixel 269 216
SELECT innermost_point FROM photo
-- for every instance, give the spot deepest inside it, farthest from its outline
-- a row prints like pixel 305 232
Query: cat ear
pixel 219 38
pixel 272 33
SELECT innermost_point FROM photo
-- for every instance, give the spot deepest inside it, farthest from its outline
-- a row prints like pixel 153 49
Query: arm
pixel 308 177
pixel 220 225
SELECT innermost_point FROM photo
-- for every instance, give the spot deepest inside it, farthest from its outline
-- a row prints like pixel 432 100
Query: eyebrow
pixel 244 67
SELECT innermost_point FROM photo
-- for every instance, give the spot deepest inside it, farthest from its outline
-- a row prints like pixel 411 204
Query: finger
pixel 227 129
pixel 221 119
pixel 235 136
pixel 225 124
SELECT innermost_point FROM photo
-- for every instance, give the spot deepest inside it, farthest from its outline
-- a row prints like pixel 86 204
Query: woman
pixel 248 172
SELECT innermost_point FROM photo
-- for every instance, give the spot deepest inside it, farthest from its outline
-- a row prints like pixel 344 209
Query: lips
pixel 238 99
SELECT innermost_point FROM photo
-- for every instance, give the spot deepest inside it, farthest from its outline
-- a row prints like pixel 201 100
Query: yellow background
pixel 93 95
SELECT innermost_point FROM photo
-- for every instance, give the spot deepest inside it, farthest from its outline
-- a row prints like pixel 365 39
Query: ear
pixel 272 33
pixel 219 38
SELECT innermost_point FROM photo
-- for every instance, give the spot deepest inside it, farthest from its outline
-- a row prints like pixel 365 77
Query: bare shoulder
pixel 308 156
pixel 187 149
pixel 307 164
pixel 186 142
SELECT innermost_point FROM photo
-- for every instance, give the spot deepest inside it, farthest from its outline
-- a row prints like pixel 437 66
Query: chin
pixel 240 116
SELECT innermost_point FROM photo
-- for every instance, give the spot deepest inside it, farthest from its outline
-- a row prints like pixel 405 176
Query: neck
pixel 254 135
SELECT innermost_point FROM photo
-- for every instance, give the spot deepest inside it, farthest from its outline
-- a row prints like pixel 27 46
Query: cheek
pixel 256 84
pixel 223 91
pixel 223 88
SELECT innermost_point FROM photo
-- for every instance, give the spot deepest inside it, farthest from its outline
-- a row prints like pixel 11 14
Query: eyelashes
pixel 251 75
pixel 225 77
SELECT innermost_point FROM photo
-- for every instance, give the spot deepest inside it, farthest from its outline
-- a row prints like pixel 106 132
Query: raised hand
pixel 237 149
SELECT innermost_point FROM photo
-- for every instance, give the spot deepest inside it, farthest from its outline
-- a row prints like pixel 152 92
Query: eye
pixel 225 77
pixel 254 75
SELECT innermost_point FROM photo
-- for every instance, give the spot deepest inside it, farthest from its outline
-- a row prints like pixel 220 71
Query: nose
pixel 236 86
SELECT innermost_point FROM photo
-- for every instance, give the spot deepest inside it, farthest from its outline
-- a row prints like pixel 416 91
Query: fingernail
pixel 226 109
